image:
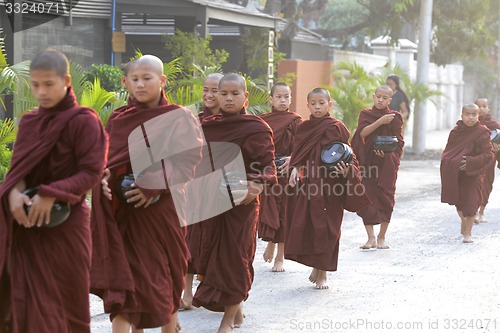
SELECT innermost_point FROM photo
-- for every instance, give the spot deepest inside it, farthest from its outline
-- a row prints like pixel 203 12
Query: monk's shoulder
pixel 256 121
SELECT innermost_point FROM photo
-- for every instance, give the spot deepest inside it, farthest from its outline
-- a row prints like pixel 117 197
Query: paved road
pixel 428 281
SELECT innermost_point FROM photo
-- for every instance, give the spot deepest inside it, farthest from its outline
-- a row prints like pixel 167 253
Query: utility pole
pixel 423 56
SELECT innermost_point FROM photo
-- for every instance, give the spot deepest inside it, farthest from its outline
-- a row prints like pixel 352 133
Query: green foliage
pixel 352 92
pixel 7 135
pixel 193 50
pixel 96 97
pixel 79 81
pixel 109 76
pixel 255 41
pixel 258 98
pixel 119 99
pixel 188 96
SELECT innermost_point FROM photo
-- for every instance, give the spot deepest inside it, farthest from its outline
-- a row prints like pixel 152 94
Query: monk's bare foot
pixel 223 328
pixel 468 239
pixel 321 280
pixel 381 244
pixel 239 317
pixel 187 303
pixel 314 275
pixel 269 252
pixel 370 244
pixel 481 219
pixel 278 265
pixel 178 327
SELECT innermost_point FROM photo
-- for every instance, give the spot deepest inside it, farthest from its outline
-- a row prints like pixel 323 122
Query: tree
pixel 462 29
pixel 193 50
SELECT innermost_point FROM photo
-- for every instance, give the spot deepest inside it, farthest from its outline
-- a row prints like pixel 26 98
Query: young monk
pixel 489 176
pixel 61 149
pixel 227 245
pixel 140 255
pixel 314 210
pixel 272 202
pixel 463 163
pixel 210 97
pixel 380 169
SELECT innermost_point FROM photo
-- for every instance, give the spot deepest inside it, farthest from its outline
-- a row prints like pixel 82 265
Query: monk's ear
pixel 67 80
pixel 124 81
pixel 246 99
pixel 163 80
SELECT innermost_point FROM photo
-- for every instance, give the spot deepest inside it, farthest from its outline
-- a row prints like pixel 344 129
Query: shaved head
pixel 151 61
pixel 233 77
pixel 214 77
pixel 470 106
pixel 51 60
pixel 384 87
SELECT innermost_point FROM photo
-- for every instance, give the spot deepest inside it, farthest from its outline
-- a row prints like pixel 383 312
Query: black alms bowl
pixel 232 182
pixel 335 153
pixel 59 213
pixel 495 136
pixel 279 160
pixel 385 143
pixel 124 184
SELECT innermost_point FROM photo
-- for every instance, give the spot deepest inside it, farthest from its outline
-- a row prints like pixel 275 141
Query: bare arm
pixel 385 119
pixel 404 110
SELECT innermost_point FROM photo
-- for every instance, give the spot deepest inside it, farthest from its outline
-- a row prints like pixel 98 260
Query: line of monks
pixel 135 252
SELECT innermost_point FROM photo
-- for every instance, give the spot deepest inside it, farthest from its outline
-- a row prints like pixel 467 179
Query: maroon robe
pixel 63 151
pixel 227 247
pixel 193 233
pixel 315 205
pixel 463 188
pixel 272 206
pixel 379 174
pixel 139 254
pixel 489 173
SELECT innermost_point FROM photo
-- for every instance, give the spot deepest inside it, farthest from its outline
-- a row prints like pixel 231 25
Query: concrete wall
pixel 310 74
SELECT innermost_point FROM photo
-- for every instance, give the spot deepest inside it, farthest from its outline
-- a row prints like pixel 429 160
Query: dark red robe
pixel 489 173
pixel 379 174
pixel 463 188
pixel 193 232
pixel 315 205
pixel 63 151
pixel 272 206
pixel 227 246
pixel 139 254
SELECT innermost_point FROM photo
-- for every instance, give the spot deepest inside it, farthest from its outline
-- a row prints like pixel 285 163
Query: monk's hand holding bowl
pixel 284 167
pixel 106 190
pixel 342 168
pixel 496 148
pixel 137 196
pixel 294 177
pixel 253 191
pixel 17 200
pixel 379 153
pixel 463 163
pixel 40 210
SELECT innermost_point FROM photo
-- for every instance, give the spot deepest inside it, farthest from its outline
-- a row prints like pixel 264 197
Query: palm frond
pixel 207 70
pixel 24 101
pixel 172 69
pixel 96 97
pixel 120 99
pixel 8 131
pixel 78 80
pixel 186 95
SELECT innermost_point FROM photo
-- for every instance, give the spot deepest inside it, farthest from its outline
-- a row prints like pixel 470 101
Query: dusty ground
pixel 428 281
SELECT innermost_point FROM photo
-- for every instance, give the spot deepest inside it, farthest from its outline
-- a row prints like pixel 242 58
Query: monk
pixel 380 169
pixel 210 97
pixel 315 207
pixel 489 176
pixel 140 255
pixel 227 248
pixel 60 149
pixel 467 155
pixel 272 203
